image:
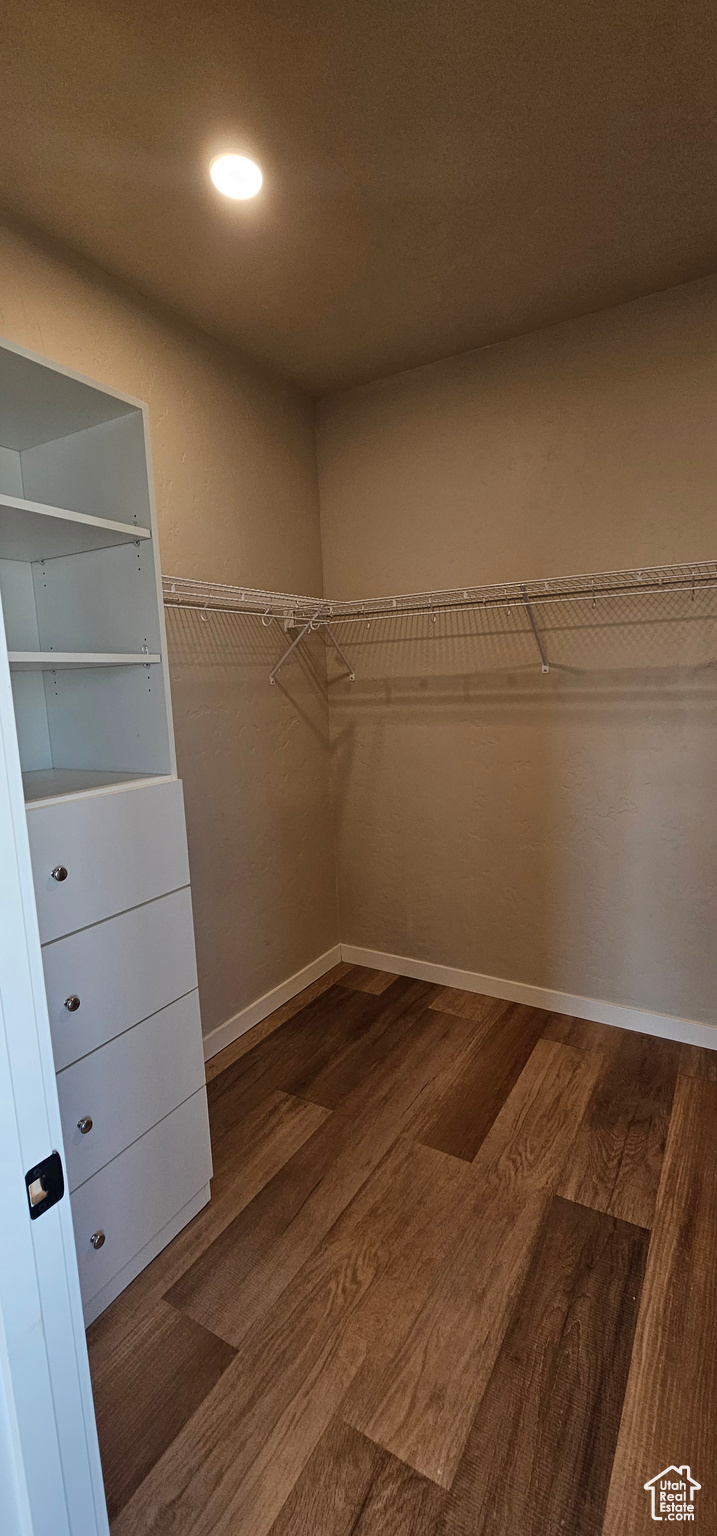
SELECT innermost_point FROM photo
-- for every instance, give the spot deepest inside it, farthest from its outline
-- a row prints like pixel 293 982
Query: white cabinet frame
pixel 50 1473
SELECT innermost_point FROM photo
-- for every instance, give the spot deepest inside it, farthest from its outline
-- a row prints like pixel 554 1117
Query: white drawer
pixel 128 1085
pixel 120 849
pixel 121 970
pixel 132 1198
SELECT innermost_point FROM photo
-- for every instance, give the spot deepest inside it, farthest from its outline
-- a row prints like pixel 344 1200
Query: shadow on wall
pixel 556 830
pixel 249 648
pixel 255 765
pixel 632 630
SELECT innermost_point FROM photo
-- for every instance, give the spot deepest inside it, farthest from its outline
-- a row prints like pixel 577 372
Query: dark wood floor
pixel 458 1276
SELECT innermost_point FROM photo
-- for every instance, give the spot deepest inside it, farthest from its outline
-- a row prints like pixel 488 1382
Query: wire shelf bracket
pixel 310 624
pixel 544 663
pixel 352 675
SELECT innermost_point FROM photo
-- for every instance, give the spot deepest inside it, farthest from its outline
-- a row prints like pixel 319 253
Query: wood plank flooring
pixel 618 1153
pixel 458 1276
pixel 540 1449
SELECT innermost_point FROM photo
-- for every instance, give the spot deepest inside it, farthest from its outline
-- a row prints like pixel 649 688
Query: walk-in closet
pixel 358 732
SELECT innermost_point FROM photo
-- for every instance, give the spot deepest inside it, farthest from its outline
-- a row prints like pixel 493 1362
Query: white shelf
pixel 212 596
pixel 29 530
pixel 60 661
pixel 58 783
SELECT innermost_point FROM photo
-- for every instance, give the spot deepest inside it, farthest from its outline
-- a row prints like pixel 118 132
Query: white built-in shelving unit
pixel 81 599
pixel 79 578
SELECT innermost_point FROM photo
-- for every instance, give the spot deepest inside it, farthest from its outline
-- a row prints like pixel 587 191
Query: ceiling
pixel 439 175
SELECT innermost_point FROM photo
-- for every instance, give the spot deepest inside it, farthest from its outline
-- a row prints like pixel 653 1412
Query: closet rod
pixel 293 610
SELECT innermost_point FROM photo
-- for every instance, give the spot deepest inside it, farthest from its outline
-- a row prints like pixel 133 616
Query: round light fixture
pixel 235 176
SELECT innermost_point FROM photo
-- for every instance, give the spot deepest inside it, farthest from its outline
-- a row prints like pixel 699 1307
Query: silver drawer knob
pixel 84 1125
pixel 97 1239
pixel 59 872
pixel 72 1003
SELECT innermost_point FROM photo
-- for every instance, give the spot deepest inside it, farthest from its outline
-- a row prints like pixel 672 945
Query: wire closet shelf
pixel 307 613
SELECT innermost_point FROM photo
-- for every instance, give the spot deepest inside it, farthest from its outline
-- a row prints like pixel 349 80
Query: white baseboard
pixel 253 1014
pixel 667 1025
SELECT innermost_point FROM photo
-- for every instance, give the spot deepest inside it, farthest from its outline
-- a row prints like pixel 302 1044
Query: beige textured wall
pixel 554 830
pixel 235 475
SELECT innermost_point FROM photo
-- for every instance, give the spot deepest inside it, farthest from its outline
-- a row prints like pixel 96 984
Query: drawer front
pixel 128 1085
pixel 119 849
pixel 132 1198
pixel 121 971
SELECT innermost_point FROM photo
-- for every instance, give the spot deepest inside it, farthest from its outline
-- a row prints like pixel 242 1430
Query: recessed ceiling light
pixel 235 176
